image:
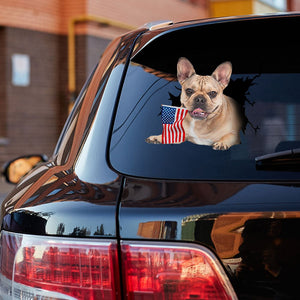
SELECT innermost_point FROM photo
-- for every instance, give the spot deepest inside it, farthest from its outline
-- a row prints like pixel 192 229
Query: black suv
pixel 116 215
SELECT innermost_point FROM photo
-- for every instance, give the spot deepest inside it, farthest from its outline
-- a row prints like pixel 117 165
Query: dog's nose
pixel 200 99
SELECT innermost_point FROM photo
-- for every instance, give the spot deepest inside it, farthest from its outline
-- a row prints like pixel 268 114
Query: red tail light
pixel 60 268
pixel 34 267
pixel 173 271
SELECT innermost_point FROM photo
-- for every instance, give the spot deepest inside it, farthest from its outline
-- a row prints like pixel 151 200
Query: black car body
pixel 110 216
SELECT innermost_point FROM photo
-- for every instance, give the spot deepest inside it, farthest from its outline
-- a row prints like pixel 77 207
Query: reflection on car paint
pixel 67 206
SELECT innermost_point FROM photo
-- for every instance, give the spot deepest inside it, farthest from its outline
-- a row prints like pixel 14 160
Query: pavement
pixel 5 188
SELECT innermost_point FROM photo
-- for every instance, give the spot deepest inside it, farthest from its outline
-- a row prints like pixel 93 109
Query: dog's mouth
pixel 199 113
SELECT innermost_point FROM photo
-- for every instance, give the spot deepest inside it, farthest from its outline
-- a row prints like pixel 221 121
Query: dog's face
pixel 202 95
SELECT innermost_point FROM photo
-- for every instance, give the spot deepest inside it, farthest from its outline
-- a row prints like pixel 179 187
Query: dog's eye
pixel 189 92
pixel 212 94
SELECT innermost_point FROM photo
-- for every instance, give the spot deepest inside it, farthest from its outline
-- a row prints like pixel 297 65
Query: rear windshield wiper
pixel 287 160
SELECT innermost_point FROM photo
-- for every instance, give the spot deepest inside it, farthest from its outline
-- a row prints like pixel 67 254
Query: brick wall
pixel 39 15
pixel 32 112
pixel 53 15
pixel 137 12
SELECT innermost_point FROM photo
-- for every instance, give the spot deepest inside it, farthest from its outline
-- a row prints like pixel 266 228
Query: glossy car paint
pixel 251 226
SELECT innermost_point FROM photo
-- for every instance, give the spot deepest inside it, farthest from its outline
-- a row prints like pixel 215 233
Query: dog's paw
pixel 220 146
pixel 154 139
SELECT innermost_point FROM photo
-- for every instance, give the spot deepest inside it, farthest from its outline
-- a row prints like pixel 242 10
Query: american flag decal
pixel 172 118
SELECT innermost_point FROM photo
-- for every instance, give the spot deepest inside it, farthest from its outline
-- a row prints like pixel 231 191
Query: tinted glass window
pixel 264 83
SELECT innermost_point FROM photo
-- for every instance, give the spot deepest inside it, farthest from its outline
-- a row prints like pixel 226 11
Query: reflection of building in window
pixel 280 125
pixel 291 122
pixel 274 131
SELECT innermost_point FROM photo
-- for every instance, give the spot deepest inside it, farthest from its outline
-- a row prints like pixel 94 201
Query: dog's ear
pixel 222 73
pixel 184 69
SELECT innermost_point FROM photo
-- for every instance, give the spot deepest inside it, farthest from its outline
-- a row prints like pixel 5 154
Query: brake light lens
pixel 34 267
pixel 173 271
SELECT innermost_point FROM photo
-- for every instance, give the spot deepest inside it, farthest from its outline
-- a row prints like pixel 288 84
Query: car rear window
pixel 264 54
